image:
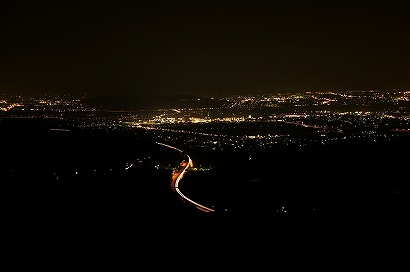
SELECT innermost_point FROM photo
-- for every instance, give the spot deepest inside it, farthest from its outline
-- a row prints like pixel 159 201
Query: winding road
pixel 179 174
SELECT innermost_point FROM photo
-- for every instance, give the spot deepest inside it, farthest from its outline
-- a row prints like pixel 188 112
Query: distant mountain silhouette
pixel 147 102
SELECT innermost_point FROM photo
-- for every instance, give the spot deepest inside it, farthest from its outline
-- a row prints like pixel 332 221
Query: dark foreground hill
pixel 85 185
pixel 331 196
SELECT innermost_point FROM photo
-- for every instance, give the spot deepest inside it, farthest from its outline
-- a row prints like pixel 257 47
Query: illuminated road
pixel 178 174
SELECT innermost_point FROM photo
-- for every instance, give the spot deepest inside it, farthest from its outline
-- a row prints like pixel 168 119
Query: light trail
pixel 179 175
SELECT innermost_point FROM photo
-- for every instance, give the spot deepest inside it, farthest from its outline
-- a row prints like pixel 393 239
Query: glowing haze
pixel 203 47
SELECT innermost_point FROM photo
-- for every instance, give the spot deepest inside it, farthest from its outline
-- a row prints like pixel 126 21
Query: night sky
pixel 203 47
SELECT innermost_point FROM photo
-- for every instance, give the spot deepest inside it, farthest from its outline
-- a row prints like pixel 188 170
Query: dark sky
pixel 203 47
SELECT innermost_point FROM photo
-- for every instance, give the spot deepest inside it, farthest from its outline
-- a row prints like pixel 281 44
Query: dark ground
pixel 360 198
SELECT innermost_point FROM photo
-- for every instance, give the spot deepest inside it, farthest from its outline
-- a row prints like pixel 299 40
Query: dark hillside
pixel 147 102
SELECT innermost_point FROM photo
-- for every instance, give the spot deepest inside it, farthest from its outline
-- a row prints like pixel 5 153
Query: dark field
pixel 75 184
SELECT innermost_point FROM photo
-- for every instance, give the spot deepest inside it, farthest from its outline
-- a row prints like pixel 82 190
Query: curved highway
pixel 179 174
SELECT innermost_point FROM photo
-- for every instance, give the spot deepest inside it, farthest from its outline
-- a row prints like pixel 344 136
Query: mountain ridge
pixel 148 102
